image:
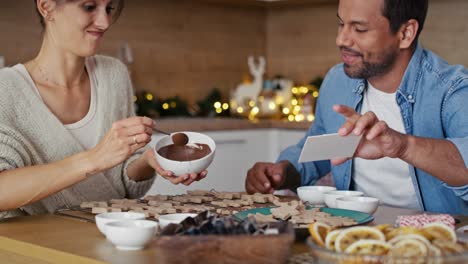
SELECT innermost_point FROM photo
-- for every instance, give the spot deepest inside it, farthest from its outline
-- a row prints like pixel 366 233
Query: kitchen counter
pixel 221 124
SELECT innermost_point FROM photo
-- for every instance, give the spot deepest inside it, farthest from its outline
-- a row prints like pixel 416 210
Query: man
pixel 408 104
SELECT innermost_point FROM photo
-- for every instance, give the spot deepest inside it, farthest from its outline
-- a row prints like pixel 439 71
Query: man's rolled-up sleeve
pixel 456 127
pixel 462 146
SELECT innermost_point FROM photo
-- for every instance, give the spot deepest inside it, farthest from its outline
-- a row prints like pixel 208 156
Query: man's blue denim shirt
pixel 433 99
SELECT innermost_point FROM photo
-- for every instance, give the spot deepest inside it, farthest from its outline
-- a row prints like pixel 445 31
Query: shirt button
pixel 410 97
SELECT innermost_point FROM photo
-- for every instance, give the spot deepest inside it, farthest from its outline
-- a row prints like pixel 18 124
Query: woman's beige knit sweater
pixel 31 135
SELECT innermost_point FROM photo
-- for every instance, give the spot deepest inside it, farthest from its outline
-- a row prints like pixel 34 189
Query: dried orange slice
pixel 385 228
pixel 434 251
pixel 331 238
pixel 368 247
pixel 319 232
pixel 439 231
pixel 409 248
pixel 448 247
pixel 353 234
pixel 403 230
pixel 419 237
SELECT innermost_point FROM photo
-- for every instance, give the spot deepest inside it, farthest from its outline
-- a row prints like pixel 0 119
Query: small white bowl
pixel 362 204
pixel 165 220
pixel 104 218
pixel 185 167
pixel 330 197
pixel 131 235
pixel 313 194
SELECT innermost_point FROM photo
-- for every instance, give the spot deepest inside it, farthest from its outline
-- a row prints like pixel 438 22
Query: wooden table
pixel 61 239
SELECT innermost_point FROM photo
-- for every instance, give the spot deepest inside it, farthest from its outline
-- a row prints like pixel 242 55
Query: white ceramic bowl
pixel 131 235
pixel 165 220
pixel 184 167
pixel 330 197
pixel 104 218
pixel 313 194
pixel 362 204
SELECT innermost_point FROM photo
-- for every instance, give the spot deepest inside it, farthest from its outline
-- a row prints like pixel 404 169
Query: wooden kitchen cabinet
pixel 236 152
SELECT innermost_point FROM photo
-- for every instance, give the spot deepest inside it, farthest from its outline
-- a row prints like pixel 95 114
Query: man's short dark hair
pixel 399 12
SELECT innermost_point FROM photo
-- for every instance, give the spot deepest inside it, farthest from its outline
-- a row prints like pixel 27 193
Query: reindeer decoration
pixel 247 92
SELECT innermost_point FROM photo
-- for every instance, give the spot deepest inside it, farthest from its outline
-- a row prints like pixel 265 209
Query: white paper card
pixel 330 146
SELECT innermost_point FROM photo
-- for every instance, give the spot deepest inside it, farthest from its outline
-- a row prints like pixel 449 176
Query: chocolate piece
pixel 180 139
pixel 208 223
pixel 185 152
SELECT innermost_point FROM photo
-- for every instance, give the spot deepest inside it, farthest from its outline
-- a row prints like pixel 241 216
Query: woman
pixel 68 133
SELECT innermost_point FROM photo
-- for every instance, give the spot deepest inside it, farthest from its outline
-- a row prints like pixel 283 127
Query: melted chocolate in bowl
pixel 185 152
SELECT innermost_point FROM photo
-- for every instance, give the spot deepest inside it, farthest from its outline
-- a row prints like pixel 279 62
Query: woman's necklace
pixel 46 78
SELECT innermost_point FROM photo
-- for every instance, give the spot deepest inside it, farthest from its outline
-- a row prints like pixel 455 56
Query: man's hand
pixel 378 140
pixel 265 177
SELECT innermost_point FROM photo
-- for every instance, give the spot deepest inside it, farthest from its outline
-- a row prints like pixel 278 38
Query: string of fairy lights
pixel 298 107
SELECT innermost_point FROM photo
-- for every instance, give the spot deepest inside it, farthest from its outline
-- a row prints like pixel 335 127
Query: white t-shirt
pixel 388 179
pixel 85 129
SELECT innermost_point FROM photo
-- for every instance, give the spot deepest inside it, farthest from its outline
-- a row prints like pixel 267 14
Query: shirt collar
pixel 412 75
pixel 410 79
pixel 360 86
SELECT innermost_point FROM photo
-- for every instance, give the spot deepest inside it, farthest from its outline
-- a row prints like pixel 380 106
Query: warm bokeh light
pixel 297 110
pixel 299 118
pixel 272 105
pixel 255 110
pixel 149 97
pixel 165 106
pixel 297 106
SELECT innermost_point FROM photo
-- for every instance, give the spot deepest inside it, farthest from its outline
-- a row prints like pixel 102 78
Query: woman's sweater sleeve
pixel 133 188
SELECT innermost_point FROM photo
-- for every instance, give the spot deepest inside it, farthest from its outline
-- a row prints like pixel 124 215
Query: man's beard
pixel 373 69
